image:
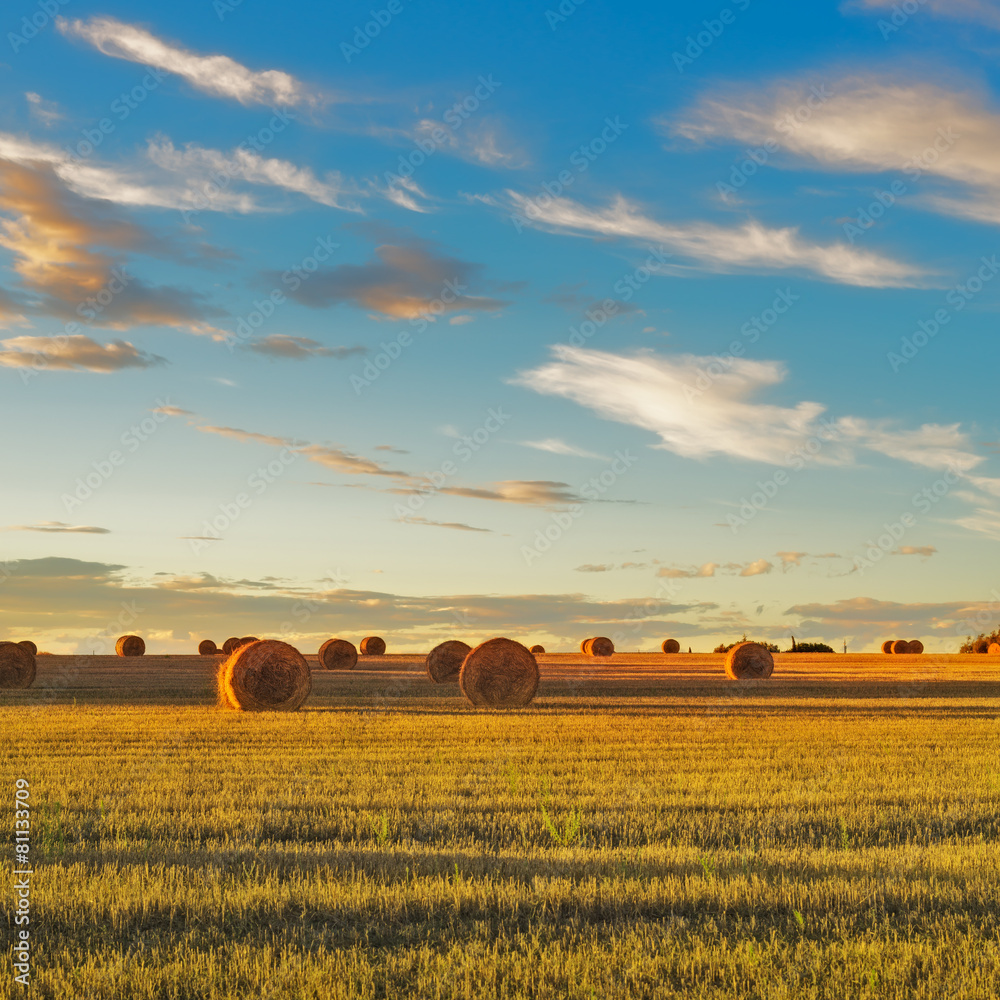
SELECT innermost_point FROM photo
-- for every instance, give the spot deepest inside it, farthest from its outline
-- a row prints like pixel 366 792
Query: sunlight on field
pixel 645 829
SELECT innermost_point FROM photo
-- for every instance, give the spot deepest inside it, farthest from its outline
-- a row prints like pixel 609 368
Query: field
pixel 645 829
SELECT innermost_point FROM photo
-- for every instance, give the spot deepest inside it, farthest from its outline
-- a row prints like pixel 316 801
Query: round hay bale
pixel 266 675
pixel 916 646
pixel 600 645
pixel 207 647
pixel 585 646
pixel 231 645
pixel 444 661
pixel 535 650
pixel 130 645
pixel 671 646
pixel 29 646
pixel 17 666
pixel 247 639
pixel 337 654
pixel 887 645
pixel 749 660
pixel 900 646
pixel 372 645
pixel 994 649
pixel 499 673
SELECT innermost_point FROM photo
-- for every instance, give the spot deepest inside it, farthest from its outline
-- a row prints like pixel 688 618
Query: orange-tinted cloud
pixel 69 253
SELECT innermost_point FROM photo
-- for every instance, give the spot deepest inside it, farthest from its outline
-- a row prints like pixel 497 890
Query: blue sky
pixel 536 320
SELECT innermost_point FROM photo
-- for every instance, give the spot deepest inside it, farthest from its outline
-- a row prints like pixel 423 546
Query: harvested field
pixel 646 828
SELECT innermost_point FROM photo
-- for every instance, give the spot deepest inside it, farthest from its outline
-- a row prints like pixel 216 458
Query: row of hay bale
pixel 371 645
pixel 902 646
pixel 270 675
pixel 498 673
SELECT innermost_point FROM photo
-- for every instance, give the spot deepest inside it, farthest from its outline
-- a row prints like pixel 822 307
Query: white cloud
pixel 47 112
pixel 559 447
pixel 217 75
pixel 179 179
pixel 971 11
pixel 659 393
pixel 750 246
pixel 983 521
pixel 698 417
pixel 756 568
pixel 198 165
pixel 869 123
pixel 932 446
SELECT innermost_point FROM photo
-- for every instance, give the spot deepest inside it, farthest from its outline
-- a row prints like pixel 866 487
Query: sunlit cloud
pixel 750 246
pixel 77 353
pixel 911 129
pixel 217 75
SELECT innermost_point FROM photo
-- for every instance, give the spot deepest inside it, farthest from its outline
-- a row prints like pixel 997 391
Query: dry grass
pixel 645 829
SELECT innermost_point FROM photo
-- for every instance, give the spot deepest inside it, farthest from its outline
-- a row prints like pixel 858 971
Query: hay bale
pixel 231 645
pixel 535 650
pixel 17 666
pixel 916 646
pixel 444 661
pixel 671 646
pixel 900 646
pixel 266 675
pixel 207 647
pixel 499 673
pixel 994 649
pixel 600 645
pixel 337 654
pixel 887 645
pixel 247 639
pixel 748 660
pixel 29 646
pixel 130 645
pixel 585 646
pixel 372 645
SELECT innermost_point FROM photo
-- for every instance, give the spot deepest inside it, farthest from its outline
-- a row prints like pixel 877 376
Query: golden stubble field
pixel 645 829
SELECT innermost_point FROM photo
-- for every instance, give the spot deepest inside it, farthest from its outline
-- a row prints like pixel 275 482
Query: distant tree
pixel 981 643
pixel 810 647
pixel 722 648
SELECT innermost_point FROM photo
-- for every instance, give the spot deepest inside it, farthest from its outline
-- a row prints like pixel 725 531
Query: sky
pixel 543 319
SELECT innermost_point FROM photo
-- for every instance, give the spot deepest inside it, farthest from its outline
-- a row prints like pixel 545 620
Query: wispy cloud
pixel 751 246
pixel 280 345
pixel 77 353
pixel 69 256
pixel 404 281
pixel 455 525
pixel 871 123
pixel 198 165
pixel 60 527
pixel 217 75
pixel 983 12
pixel 665 394
pixel 915 550
pixel 674 573
pixel 559 447
pixel 47 112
